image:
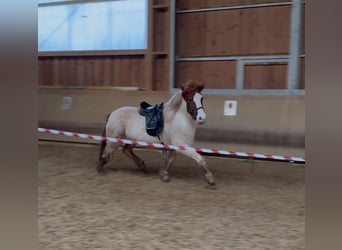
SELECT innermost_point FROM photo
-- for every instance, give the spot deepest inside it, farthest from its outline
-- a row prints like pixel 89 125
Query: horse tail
pixel 103 142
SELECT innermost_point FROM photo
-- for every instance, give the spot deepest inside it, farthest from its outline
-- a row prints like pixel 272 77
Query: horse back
pixel 126 122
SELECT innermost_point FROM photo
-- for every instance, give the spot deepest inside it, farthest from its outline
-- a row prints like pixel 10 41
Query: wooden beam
pixel 149 56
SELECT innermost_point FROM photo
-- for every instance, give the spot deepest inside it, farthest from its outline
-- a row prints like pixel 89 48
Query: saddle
pixel 153 117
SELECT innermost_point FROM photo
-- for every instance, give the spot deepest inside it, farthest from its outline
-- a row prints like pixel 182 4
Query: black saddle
pixel 153 116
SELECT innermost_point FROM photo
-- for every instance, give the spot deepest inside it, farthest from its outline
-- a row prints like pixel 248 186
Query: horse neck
pixel 174 105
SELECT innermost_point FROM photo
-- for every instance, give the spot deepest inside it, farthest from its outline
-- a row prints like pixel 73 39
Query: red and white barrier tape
pixel 166 146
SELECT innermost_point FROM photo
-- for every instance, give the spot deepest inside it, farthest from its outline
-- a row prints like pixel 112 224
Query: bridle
pixel 191 106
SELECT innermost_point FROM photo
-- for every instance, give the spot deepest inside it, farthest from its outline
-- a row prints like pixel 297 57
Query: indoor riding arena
pixel 227 170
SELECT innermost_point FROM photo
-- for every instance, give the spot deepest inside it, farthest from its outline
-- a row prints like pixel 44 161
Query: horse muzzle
pixel 200 119
pixel 200 122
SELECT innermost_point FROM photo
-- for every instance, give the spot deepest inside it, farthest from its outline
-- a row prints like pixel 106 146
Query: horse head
pixel 191 92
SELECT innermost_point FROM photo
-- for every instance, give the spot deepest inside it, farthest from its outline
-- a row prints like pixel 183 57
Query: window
pixel 92 25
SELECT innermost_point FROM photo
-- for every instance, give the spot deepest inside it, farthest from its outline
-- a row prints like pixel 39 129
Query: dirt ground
pixel 255 205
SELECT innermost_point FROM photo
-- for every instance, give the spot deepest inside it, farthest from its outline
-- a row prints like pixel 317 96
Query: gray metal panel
pixel 244 6
pixel 240 74
pixel 265 61
pixel 240 68
pixel 57 3
pixel 257 92
pixel 295 42
pixel 230 58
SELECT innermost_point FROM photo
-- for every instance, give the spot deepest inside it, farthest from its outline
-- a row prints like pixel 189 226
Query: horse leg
pixel 202 163
pixel 164 172
pixel 127 149
pixel 106 151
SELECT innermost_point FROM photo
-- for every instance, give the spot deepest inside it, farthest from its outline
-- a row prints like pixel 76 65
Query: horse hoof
pixel 210 179
pixel 143 169
pixel 165 177
pixel 101 171
pixel 142 166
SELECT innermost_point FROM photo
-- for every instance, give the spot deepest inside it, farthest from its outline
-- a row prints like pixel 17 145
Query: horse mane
pixel 174 103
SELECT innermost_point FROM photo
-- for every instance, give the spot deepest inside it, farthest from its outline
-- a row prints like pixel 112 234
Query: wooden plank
pixel 116 70
pixel 42 70
pixel 80 71
pixel 150 45
pixel 118 67
pixel 161 31
pixel 234 32
pixel 215 74
pixel 98 72
pixel 138 72
pixel 107 72
pixel 89 66
pixel 61 72
pixel 71 69
pixel 270 76
pixel 161 73
pixel 45 70
pixel 92 71
pixel 161 2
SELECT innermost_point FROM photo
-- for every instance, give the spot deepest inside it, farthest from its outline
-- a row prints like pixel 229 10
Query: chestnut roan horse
pixel 182 113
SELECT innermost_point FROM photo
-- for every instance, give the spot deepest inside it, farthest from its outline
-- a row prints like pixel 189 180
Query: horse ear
pixel 200 87
pixel 185 86
pixel 182 87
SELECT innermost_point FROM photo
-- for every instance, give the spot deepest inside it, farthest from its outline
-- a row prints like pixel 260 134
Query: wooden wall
pixel 256 31
pixel 92 70
pixel 234 32
pixel 238 32
pixel 161 44
pixel 215 74
pixel 272 76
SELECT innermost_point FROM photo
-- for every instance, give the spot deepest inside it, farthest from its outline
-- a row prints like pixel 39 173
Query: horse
pixel 182 113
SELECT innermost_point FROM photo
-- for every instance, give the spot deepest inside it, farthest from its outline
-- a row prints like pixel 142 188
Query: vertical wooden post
pixel 149 55
pixel 172 42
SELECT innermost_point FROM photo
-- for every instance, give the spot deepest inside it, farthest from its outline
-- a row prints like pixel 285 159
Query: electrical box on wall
pixel 66 103
pixel 230 108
